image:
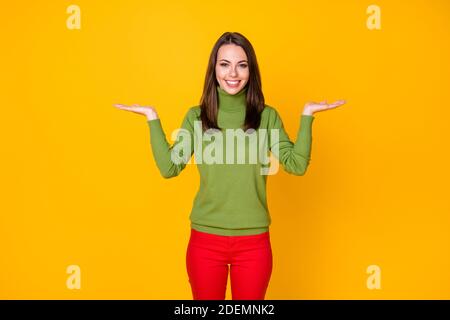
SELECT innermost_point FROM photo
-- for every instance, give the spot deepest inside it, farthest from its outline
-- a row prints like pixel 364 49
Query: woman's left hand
pixel 312 107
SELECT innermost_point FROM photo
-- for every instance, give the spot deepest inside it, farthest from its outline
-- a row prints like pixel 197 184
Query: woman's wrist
pixel 151 117
pixel 307 112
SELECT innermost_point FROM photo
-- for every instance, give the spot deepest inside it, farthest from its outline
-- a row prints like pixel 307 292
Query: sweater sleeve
pixel 172 159
pixel 294 157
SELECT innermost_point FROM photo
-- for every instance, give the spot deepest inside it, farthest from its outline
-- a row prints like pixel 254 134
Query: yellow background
pixel 79 184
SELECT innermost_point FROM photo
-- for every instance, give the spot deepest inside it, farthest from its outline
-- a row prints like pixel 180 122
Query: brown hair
pixel 255 98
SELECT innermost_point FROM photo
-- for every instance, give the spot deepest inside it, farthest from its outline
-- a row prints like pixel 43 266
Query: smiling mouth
pixel 233 83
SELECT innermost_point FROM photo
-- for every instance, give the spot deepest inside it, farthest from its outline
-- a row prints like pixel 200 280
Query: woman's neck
pixel 232 102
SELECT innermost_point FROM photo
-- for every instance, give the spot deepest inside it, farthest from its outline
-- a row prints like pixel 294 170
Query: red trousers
pixel 210 256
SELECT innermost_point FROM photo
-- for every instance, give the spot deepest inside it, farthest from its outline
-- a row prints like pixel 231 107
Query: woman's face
pixel 232 68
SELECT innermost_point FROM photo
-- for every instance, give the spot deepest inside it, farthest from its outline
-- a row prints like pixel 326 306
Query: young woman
pixel 229 219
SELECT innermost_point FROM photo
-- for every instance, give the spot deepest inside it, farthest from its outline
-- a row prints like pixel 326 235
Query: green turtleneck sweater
pixel 231 199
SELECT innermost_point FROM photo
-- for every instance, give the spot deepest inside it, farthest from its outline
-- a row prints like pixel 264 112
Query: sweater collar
pixel 232 102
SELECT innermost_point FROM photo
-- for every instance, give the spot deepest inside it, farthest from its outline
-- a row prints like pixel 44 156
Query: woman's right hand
pixel 149 111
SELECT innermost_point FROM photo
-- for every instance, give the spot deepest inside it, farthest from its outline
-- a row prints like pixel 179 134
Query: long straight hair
pixel 254 99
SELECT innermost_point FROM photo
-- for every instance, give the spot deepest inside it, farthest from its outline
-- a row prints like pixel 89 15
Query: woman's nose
pixel 233 72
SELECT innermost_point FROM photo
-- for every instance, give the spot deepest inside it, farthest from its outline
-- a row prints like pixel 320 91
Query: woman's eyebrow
pixel 229 61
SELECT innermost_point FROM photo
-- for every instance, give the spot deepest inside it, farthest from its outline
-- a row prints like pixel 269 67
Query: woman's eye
pixel 241 65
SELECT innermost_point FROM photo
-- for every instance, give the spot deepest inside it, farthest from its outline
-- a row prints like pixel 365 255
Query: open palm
pixel 149 112
pixel 323 105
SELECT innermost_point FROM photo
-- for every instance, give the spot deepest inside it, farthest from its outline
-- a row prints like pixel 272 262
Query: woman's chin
pixel 233 90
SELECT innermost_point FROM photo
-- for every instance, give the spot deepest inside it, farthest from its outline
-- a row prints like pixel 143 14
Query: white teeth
pixel 232 82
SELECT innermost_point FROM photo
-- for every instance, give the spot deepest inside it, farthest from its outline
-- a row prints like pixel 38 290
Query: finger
pixel 123 107
pixel 334 105
pixel 338 103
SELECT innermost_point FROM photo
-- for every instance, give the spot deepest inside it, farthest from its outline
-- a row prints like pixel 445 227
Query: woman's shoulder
pixel 270 117
pixel 195 109
pixel 269 112
pixel 193 112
